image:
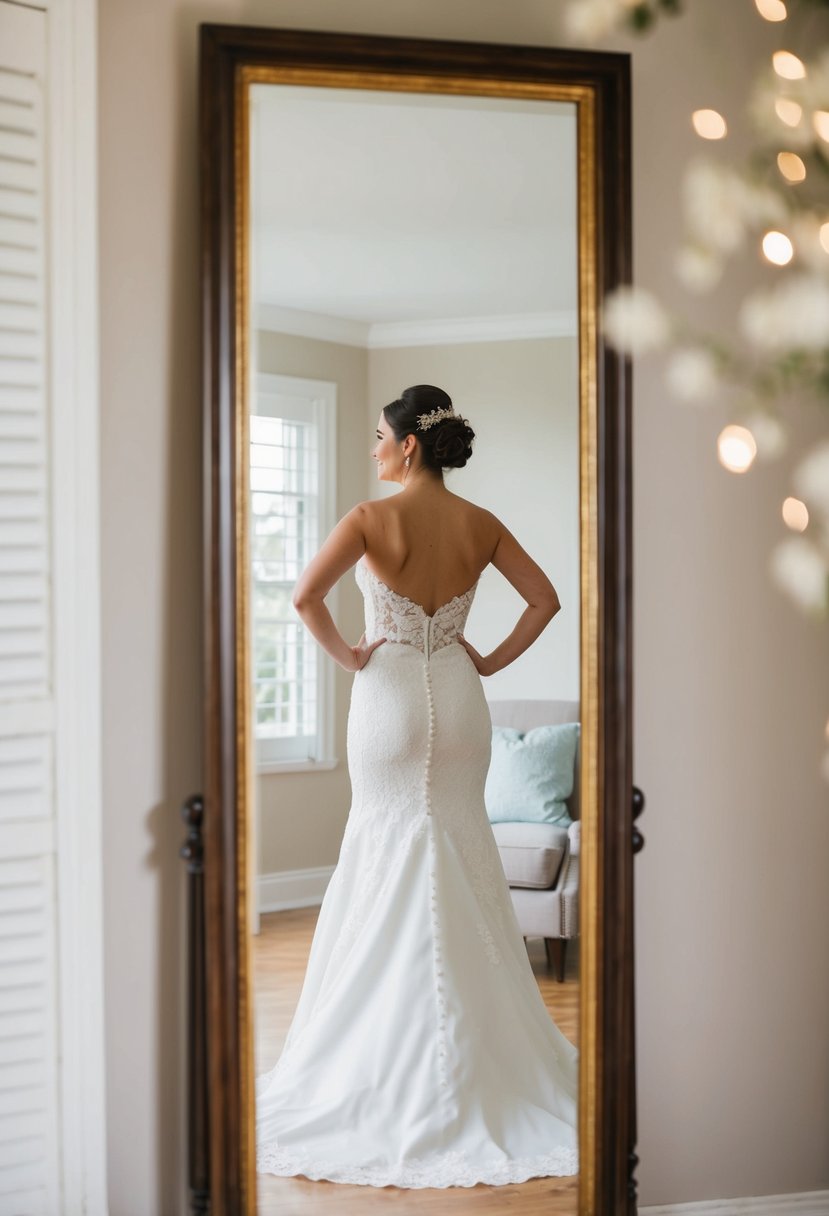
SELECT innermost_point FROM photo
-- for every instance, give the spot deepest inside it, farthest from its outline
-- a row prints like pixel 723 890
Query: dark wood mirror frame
pixel 221 1146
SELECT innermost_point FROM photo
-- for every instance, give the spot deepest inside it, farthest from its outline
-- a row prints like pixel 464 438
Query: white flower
pixel 720 204
pixel 758 318
pixel 811 478
pixel 593 18
pixel 762 206
pixel 713 197
pixel 634 320
pixel 691 374
pixel 793 315
pixel 697 268
pixel 801 570
pixel 769 435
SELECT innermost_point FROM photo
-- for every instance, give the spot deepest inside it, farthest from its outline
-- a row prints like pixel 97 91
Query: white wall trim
pixel 311 325
pixel 455 330
pixel 801 1203
pixel 448 331
pixel 73 382
pixel 292 888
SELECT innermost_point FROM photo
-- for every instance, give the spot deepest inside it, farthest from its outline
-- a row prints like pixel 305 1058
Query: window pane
pixel 285 506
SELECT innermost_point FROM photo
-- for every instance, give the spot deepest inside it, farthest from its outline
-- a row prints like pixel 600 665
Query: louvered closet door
pixel 28 972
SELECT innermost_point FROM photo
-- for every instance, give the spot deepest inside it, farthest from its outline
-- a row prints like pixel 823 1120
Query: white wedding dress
pixel 421 1053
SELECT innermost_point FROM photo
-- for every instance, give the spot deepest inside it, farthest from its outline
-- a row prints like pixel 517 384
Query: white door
pixel 51 1075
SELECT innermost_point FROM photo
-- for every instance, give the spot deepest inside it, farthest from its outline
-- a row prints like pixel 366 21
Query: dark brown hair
pixel 446 444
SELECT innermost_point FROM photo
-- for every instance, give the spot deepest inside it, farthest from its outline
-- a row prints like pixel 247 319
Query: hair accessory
pixel 426 420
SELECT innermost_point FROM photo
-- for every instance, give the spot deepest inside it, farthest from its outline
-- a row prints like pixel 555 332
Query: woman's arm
pixel 530 581
pixel 343 547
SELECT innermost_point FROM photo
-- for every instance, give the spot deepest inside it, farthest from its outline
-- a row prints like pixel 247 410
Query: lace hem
pixel 450 1169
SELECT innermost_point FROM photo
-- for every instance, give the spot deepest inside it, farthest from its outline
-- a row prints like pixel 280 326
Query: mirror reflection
pixel 416 828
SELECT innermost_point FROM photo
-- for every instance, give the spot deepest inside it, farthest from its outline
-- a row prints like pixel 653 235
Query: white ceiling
pixel 373 209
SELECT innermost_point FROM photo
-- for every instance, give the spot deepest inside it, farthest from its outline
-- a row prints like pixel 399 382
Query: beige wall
pixel 732 903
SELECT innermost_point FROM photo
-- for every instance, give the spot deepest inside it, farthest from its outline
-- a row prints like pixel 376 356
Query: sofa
pixel 541 860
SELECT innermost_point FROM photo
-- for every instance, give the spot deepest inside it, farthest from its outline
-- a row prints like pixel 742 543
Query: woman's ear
pixel 409 445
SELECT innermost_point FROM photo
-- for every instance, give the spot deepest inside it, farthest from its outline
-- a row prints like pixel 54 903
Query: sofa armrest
pixel 570 898
pixel 574 833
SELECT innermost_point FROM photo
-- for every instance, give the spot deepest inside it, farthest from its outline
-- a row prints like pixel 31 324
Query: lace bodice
pixel 399 619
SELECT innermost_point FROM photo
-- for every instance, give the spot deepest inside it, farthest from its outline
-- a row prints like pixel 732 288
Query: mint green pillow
pixel 531 774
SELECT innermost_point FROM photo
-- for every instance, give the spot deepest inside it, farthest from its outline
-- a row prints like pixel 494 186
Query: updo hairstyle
pixel 446 444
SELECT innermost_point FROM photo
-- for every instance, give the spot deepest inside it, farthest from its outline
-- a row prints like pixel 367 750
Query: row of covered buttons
pixel 439 974
pixel 427 794
pixel 439 971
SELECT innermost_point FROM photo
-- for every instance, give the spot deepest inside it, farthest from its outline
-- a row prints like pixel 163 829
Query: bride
pixel 421 1053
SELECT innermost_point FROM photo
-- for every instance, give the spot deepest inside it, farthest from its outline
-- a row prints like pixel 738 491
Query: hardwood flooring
pixel 280 955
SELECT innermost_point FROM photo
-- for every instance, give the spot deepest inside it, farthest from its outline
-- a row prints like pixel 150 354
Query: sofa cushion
pixel 531 774
pixel 531 853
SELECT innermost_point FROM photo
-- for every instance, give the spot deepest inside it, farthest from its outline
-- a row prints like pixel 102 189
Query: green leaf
pixel 641 18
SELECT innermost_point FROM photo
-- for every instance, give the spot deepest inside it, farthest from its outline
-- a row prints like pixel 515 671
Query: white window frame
pixel 321 395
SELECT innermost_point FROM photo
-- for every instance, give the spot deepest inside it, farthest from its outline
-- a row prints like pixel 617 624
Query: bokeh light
pixel 788 65
pixel 710 124
pixel 788 111
pixel 772 10
pixel 795 514
pixel 820 121
pixel 791 166
pixel 778 248
pixel 736 448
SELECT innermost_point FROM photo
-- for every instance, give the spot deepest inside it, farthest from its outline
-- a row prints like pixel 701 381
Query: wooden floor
pixel 280 956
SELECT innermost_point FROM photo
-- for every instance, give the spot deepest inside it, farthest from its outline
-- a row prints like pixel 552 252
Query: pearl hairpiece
pixel 427 420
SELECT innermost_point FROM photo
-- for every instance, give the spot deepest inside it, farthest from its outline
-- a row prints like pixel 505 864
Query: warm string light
pixel 791 166
pixel 795 514
pixel 736 448
pixel 788 65
pixel 820 121
pixel 772 10
pixel 709 124
pixel 777 248
pixel 788 111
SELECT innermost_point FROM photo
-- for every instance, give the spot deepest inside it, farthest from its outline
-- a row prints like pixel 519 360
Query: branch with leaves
pixel 773 210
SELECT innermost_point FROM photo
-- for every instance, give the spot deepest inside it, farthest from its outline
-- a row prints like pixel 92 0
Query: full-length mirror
pixel 399 239
pixel 419 891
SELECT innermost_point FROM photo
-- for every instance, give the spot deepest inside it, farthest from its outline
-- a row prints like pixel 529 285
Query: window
pixel 292 463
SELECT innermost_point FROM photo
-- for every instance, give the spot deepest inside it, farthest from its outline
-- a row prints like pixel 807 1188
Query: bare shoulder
pixel 373 518
pixel 487 527
pixel 364 513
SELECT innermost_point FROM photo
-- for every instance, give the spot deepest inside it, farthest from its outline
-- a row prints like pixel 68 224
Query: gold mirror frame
pixel 222 1152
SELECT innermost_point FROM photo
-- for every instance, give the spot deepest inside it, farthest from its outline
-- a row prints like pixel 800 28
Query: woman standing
pixel 421 1053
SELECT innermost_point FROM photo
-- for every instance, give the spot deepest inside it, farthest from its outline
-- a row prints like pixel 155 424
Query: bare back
pixel 428 546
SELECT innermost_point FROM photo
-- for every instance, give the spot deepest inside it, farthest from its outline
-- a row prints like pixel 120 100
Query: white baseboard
pixel 292 888
pixel 801 1203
